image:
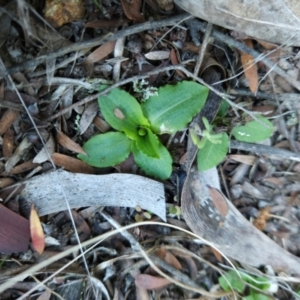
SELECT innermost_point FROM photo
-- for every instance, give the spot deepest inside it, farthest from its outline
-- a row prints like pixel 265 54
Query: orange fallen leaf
pixel 250 68
pixel 36 231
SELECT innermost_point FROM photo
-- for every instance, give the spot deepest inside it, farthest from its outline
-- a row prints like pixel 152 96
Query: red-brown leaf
pixel 14 231
pixel 150 282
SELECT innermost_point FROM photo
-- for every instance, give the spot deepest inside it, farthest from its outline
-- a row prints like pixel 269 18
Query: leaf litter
pixel 259 183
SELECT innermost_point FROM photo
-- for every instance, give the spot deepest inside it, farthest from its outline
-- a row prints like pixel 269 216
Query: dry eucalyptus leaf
pixel 250 68
pixel 150 282
pixel 229 231
pixel 66 100
pixel 69 144
pixel 273 21
pixel 88 116
pixel 157 55
pixel 20 151
pixel 72 164
pixel 49 191
pixel 46 152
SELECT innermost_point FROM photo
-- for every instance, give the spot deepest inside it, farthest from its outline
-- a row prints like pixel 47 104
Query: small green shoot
pixel 212 147
pixel 142 215
pixel 234 280
pixel 175 210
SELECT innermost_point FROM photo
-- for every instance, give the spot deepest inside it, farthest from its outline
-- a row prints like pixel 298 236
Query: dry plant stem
pixel 93 43
pixel 203 48
pixel 272 152
pixel 261 95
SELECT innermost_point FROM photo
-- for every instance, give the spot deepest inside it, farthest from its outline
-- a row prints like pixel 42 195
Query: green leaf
pixel 224 106
pixel 148 143
pixel 260 282
pixel 254 131
pixel 156 167
pixel 212 154
pixel 174 106
pixel 255 295
pixel 231 280
pixel 122 112
pixel 105 150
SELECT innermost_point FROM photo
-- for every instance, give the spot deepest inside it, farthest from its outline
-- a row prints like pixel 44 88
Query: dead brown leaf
pixel 174 61
pixel 8 143
pixel 24 167
pixel 97 55
pixel 169 257
pixel 83 228
pixel 72 164
pixel 150 282
pixel 7 119
pixel 6 181
pixel 265 110
pixel 132 10
pixel 100 53
pixel 67 143
pixel 102 125
pixel 250 68
pixel 219 201
pixel 106 23
pixel 245 159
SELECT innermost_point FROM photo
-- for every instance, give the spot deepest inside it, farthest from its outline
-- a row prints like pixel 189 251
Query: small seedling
pixel 234 280
pixel 142 215
pixel 175 210
pixel 168 111
pixel 212 147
